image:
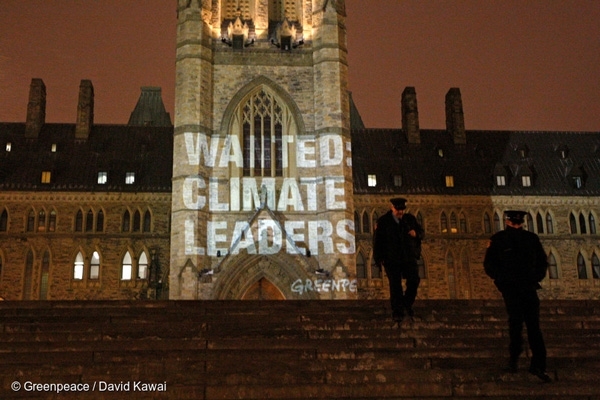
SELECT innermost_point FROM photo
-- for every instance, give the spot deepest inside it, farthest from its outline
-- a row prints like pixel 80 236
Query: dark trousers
pixel 523 306
pixel 398 298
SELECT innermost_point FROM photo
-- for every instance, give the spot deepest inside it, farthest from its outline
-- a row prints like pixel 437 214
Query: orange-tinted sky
pixel 520 65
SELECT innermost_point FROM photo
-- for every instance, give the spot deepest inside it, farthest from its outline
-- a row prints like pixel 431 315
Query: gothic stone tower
pixel 262 176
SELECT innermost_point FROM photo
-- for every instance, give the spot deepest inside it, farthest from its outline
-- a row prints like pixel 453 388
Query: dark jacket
pixel 515 259
pixel 393 244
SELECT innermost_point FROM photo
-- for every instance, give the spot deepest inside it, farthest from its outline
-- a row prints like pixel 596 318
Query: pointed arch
pixel 79 221
pixel 127 267
pixel 142 267
pixel 572 224
pixel 549 223
pixel 30 223
pixel 4 220
pixel 100 221
pixel 357 221
pixel 94 272
pixel 539 223
pixel 78 266
pixel 497 223
pixel 28 276
pixel 52 220
pixel 366 222
pixel 453 223
pixel 595 266
pixel 581 267
pixel 126 223
pixel 443 222
pixel 147 224
pixel 451 273
pixel 582 224
pixel 45 275
pixel 592 224
pixel 361 269
pixel 487 223
pixel 264 120
pixel 462 223
pixel 553 272
pixel 41 220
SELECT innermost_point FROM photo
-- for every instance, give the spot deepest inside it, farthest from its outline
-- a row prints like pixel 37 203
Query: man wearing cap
pixel 517 262
pixel 397 246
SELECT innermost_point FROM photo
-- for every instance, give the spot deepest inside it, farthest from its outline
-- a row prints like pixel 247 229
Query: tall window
pixel 453 223
pixel 4 221
pixel 52 221
pixel 462 223
pixel 539 223
pixel 147 221
pixel 444 223
pixel 78 267
pixel 262 135
pixel 366 222
pixel 95 266
pixel 100 221
pixel 595 267
pixel 28 278
pixel 79 221
pixel 497 225
pixel 143 266
pixel 44 282
pixel 127 269
pixel 573 224
pixel 592 222
pixel 549 224
pixel 361 271
pixel 487 223
pixel 126 221
pixel 552 267
pixel 581 267
pixel 41 224
pixel 582 225
pixel 30 221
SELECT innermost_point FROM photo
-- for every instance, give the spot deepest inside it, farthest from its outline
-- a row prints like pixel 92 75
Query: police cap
pixel 399 203
pixel 516 216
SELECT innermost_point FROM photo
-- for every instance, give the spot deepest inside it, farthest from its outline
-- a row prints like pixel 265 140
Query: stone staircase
pixel 287 350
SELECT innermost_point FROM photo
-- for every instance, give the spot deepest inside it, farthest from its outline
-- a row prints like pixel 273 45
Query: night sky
pixel 520 65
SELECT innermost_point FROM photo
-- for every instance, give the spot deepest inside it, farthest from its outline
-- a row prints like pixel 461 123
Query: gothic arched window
pixel 262 135
pixel 361 271
pixel 549 224
pixel 552 267
pixel 581 267
pixel 78 267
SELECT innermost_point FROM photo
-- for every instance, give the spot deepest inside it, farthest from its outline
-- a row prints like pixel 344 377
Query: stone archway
pixel 245 277
pixel 263 289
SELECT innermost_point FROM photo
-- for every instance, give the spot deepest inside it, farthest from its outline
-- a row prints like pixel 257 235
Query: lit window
pixel 129 178
pixel 102 178
pixel 577 182
pixel 46 176
pixel 78 267
pixel 398 180
pixel 500 180
pixel 440 152
pixel 372 180
pixel 143 267
pixel 8 146
pixel 127 268
pixel 449 181
pixel 526 180
pixel 95 266
pixel 53 149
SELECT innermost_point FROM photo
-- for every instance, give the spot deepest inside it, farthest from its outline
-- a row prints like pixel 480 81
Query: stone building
pixel 268 185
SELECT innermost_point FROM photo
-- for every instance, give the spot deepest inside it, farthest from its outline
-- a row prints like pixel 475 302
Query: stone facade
pixel 42 240
pixel 261 148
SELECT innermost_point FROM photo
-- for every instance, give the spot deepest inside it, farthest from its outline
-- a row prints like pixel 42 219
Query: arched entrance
pixel 263 289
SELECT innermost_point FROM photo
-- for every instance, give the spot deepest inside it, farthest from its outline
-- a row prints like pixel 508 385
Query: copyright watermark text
pixel 96 386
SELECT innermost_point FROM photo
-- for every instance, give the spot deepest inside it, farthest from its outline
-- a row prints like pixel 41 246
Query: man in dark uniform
pixel 517 262
pixel 397 246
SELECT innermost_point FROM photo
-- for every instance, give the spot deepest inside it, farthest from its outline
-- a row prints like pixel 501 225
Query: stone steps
pixel 291 350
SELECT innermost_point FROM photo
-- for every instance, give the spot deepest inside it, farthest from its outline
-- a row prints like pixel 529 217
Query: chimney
pixel 455 118
pixel 85 110
pixel 410 115
pixel 36 108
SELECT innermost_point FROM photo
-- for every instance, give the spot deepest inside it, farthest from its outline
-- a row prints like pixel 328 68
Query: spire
pixel 455 118
pixel 150 109
pixel 410 115
pixel 85 110
pixel 36 108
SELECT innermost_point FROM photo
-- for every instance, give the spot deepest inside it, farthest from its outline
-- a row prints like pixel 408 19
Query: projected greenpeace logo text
pixel 279 194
